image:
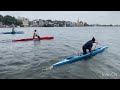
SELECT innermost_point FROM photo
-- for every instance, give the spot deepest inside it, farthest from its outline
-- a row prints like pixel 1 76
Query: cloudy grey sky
pixel 91 17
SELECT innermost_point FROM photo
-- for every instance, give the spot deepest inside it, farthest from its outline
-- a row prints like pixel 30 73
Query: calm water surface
pixel 32 59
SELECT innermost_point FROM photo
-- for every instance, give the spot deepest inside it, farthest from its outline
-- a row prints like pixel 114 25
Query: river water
pixel 32 59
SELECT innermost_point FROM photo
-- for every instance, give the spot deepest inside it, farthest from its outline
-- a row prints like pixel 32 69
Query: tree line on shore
pixel 10 20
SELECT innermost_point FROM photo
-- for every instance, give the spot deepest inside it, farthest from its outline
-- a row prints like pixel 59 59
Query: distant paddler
pixel 13 30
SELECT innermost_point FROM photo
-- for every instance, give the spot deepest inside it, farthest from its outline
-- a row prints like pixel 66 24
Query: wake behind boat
pixel 30 39
pixel 76 58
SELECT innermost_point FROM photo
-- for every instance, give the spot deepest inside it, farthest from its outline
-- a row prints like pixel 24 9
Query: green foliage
pixel 9 20
pixel 1 18
pixel 19 23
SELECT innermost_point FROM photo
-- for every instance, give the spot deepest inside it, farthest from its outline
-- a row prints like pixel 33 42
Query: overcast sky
pixel 91 17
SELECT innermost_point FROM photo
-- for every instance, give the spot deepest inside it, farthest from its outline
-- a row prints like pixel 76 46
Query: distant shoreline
pixel 61 27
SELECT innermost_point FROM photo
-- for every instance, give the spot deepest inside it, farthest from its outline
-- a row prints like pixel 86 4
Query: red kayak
pixel 29 39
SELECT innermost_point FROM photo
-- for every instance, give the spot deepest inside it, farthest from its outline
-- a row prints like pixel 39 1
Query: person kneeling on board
pixel 88 46
pixel 36 35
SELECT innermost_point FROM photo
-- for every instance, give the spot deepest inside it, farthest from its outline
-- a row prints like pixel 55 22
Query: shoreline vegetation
pixel 63 27
pixel 10 21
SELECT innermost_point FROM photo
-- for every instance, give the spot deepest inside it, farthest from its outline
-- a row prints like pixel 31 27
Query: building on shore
pixel 73 24
pixel 1 24
pixel 24 20
pixel 79 23
pixel 41 23
pixel 35 23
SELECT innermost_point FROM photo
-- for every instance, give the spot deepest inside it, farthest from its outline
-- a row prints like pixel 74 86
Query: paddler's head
pixel 35 30
pixel 93 39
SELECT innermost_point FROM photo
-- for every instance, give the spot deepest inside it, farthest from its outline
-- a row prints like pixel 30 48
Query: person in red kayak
pixel 35 34
pixel 88 46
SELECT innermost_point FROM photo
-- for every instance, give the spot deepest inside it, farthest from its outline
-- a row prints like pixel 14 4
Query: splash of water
pixel 49 68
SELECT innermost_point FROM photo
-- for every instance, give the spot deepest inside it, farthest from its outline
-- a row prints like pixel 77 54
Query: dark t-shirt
pixel 88 45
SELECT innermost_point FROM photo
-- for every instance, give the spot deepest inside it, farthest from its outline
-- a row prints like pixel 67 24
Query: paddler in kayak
pixel 36 35
pixel 88 46
pixel 13 31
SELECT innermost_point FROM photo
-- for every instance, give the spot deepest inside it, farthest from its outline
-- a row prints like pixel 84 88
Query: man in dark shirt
pixel 88 46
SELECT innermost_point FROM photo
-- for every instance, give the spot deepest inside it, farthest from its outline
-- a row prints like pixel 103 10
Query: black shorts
pixel 84 50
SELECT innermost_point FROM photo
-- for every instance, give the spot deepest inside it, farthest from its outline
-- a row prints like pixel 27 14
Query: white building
pixel 79 23
pixel 73 24
pixel 25 21
pixel 56 25
pixel 41 23
pixel 35 22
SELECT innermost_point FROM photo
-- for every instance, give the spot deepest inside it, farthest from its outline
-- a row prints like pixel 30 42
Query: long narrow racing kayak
pixel 76 58
pixel 30 39
pixel 17 32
